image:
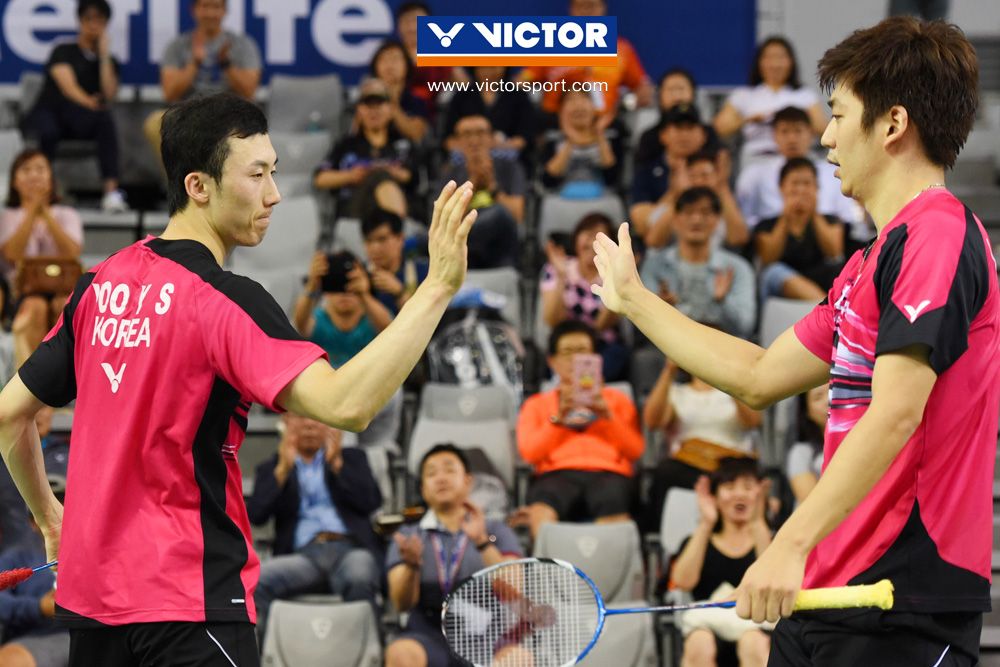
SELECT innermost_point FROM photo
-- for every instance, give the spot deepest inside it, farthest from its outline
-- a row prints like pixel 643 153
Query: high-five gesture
pixel 616 265
pixel 448 234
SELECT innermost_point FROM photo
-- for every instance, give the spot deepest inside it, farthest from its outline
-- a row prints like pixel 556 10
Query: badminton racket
pixel 540 612
pixel 11 578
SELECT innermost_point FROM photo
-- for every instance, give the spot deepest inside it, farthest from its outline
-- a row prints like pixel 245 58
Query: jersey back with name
pixel 164 352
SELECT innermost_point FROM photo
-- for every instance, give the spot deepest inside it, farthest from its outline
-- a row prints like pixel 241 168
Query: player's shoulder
pixel 939 214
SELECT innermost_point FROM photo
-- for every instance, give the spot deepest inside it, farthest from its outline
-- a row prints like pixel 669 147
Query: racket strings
pixel 534 614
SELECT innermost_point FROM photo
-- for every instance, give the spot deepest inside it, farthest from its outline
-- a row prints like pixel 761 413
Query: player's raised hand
pixel 616 264
pixel 448 235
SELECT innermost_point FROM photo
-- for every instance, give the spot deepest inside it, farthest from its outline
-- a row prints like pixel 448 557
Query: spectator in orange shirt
pixel 583 462
pixel 628 72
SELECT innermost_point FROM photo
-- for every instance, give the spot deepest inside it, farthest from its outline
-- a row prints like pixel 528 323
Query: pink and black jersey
pixel 929 279
pixel 164 352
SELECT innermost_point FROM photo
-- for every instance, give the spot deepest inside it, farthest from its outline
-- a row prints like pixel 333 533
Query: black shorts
pixel 582 494
pixel 165 645
pixel 876 639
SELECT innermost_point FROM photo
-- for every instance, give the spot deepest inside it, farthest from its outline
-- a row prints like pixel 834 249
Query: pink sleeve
pixel 251 343
pixel 815 330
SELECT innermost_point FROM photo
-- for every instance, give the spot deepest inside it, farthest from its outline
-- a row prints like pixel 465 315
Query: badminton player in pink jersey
pixel 164 351
pixel 909 340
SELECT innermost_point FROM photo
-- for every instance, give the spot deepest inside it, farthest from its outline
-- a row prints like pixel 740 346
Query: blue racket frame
pixel 602 610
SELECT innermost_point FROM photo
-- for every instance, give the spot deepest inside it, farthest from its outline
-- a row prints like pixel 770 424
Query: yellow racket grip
pixel 844 597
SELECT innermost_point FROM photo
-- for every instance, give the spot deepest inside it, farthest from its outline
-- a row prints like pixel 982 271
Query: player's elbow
pixel 354 418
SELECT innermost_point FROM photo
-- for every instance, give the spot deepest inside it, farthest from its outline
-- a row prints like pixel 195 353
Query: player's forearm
pixel 367 382
pixel 724 361
pixel 860 462
pixel 22 454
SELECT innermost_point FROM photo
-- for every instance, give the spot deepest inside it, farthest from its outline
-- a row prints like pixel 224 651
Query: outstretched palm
pixel 616 265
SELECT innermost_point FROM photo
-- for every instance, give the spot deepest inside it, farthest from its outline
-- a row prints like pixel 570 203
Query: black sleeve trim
pixel 50 372
pixel 944 330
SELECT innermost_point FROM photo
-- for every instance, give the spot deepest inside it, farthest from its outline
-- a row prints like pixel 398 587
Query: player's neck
pixel 189 224
pixel 900 184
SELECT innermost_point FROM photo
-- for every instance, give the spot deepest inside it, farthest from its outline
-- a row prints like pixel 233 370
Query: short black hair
pixel 195 137
pixel 692 196
pixel 791 115
pixel 441 448
pixel 732 468
pixel 408 7
pixel 102 7
pixel 379 217
pixel 567 327
pixel 795 163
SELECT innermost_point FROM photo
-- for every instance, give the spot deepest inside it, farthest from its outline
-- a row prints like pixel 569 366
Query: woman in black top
pixel 732 532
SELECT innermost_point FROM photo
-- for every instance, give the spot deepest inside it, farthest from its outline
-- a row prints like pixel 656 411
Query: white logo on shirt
pixel 114 377
pixel 914 312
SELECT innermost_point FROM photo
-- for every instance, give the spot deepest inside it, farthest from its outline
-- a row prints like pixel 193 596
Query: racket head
pixel 531 612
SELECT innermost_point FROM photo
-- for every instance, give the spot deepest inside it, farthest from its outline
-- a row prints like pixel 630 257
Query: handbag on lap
pixel 47 275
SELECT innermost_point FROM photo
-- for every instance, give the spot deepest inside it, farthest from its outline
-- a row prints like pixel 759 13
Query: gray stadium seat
pixel 627 640
pixel 281 261
pixel 558 214
pixel 610 554
pixel 505 281
pixel 492 436
pixel 321 635
pixel 779 419
pixel 298 152
pixel 459 404
pixel 10 146
pixel 678 520
pixel 296 100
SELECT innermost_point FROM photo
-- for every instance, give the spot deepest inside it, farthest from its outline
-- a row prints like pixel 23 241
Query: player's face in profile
pixel 242 202
pixel 851 148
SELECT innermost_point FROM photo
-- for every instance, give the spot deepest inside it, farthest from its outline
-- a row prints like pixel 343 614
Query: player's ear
pixel 196 184
pixel 897 122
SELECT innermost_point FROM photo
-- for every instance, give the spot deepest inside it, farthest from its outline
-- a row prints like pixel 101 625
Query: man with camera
pixel 337 309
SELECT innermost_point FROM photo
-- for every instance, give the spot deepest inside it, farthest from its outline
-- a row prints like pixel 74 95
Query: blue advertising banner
pixel 713 38
pixel 517 40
